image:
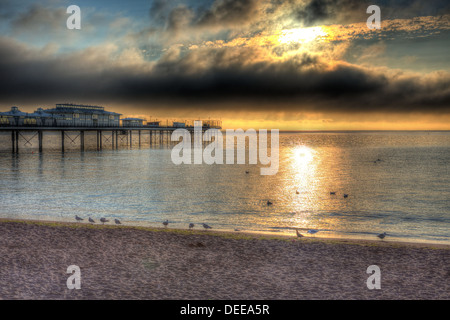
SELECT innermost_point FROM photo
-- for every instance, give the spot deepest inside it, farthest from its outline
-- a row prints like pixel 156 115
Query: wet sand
pixel 120 262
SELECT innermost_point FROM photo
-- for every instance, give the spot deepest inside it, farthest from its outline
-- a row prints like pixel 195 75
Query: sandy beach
pixel 123 262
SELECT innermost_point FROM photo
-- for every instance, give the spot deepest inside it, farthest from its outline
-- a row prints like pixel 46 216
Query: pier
pixel 73 121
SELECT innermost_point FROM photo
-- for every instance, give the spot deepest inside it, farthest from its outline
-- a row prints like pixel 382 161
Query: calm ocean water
pixel 397 182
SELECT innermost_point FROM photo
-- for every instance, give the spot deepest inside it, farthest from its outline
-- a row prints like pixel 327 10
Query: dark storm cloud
pixel 300 83
pixel 212 77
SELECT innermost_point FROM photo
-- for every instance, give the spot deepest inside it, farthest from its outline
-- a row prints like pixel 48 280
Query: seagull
pixel 191 225
pixel 78 218
pixel 269 203
pixel 382 235
pixel 345 195
pixel 299 235
pixel 332 193
pixel 91 220
pixel 166 223
pixel 117 221
pixel 206 226
pixel 103 220
pixel 313 231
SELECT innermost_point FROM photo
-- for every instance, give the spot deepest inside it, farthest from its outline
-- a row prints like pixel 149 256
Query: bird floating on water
pixel 247 172
pixel 91 220
pixel 206 226
pixel 117 221
pixel 332 193
pixel 103 220
pixel 191 225
pixel 78 218
pixel 345 195
pixel 382 235
pixel 269 203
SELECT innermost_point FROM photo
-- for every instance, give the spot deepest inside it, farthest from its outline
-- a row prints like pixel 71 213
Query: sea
pixel 396 182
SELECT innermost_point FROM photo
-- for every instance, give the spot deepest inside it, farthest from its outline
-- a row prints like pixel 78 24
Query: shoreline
pixel 128 262
pixel 231 233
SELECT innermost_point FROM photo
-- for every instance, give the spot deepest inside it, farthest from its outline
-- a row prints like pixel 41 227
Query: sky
pixel 261 64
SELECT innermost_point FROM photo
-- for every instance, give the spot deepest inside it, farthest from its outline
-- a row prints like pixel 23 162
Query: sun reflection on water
pixel 303 167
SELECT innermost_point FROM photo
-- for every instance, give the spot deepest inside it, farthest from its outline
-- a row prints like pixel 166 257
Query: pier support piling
pixel 82 141
pixel 62 140
pixel 139 134
pixel 40 138
pixel 131 139
pixel 101 139
pixel 13 140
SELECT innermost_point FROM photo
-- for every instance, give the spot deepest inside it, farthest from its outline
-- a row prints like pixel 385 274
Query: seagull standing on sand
pixel 382 235
pixel 103 220
pixel 191 225
pixel 78 218
pixel 206 226
pixel 117 221
pixel 166 223
pixel 91 220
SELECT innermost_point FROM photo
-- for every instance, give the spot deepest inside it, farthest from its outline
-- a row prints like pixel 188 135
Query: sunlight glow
pixel 302 35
